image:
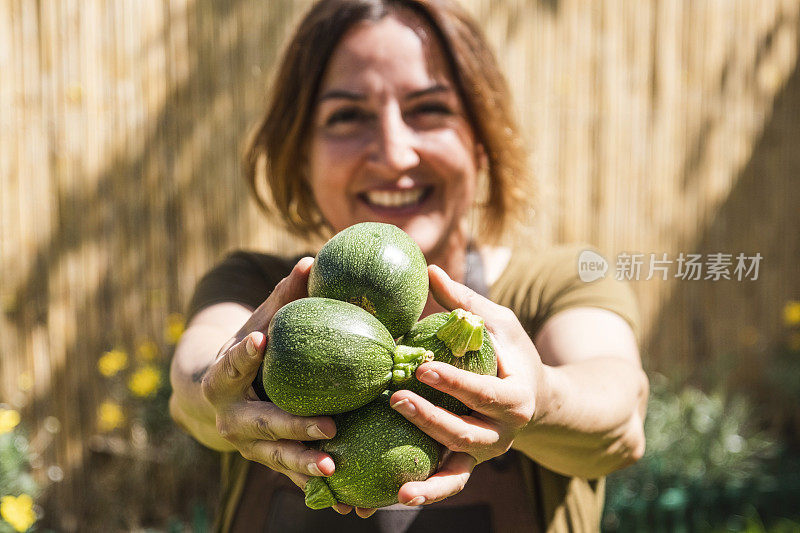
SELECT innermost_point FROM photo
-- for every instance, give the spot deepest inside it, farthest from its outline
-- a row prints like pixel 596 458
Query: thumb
pixel 452 295
pixel 233 372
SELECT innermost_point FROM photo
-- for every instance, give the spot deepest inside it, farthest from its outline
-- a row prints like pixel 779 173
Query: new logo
pixel 591 266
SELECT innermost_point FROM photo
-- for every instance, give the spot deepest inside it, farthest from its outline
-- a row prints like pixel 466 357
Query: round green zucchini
pixel 375 450
pixel 460 330
pixel 377 267
pixel 326 356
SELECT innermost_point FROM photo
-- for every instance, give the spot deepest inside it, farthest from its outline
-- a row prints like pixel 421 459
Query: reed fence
pixel 654 127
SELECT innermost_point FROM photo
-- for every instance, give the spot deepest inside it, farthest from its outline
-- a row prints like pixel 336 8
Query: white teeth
pixel 394 198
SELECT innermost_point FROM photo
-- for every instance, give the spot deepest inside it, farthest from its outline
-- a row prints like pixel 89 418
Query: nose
pixel 395 148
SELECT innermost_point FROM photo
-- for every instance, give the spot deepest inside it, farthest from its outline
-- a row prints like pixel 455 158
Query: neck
pixel 451 257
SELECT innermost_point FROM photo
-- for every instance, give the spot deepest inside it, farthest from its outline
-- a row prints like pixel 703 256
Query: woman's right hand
pixel 261 431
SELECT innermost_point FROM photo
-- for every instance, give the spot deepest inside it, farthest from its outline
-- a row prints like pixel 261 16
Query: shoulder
pixel 540 282
pixel 551 258
pixel 523 262
pixel 250 262
pixel 243 276
pixel 544 267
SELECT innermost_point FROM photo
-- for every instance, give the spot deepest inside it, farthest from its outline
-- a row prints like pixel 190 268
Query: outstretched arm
pixel 213 399
pixel 576 407
pixel 590 421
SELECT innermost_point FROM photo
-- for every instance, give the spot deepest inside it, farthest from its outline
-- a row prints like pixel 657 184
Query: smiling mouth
pixel 396 199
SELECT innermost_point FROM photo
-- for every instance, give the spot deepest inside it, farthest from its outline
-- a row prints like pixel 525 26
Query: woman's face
pixel 390 140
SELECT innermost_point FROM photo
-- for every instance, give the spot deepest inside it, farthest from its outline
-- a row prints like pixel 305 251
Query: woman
pixel 395 111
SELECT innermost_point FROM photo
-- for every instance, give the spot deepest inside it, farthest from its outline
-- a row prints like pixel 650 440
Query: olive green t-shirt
pixel 535 284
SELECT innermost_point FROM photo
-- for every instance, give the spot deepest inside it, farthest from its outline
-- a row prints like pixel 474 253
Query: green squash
pixel 326 356
pixel 375 450
pixel 377 267
pixel 461 330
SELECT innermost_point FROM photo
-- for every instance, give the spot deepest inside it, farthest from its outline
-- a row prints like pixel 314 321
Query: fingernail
pixel 405 407
pixel 314 431
pixel 430 377
pixel 251 347
pixel 441 271
pixel 328 461
pixel 314 469
pixel 419 500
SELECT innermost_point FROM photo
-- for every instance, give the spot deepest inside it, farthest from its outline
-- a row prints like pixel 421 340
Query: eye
pixel 432 108
pixel 346 115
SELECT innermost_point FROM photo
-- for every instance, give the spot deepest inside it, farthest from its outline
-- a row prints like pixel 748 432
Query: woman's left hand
pixel 501 406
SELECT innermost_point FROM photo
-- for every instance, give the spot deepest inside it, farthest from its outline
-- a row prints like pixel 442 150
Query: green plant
pixel 136 446
pixel 705 454
pixel 18 489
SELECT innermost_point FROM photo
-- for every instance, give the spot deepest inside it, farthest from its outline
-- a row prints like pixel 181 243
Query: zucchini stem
pixel 406 361
pixel 462 333
pixel 318 494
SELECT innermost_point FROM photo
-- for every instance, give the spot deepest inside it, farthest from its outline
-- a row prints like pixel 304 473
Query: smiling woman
pixel 433 68
pixel 390 140
pixel 395 111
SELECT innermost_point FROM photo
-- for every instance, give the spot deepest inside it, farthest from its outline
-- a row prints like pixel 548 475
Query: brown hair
pixel 280 140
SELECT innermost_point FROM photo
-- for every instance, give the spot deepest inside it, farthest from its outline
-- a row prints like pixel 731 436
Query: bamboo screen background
pixel 653 127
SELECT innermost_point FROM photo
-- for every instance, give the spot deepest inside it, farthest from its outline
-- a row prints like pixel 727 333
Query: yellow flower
pixel 112 362
pixel 146 351
pixel 174 328
pixel 145 381
pixel 9 418
pixel 18 511
pixel 109 416
pixel 791 313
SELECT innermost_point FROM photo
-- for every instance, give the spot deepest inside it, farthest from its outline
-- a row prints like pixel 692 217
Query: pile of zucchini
pixel 334 353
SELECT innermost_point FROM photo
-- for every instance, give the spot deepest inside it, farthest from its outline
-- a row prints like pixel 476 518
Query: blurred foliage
pixel 708 466
pixel 17 485
pixel 722 460
pixel 783 377
pixel 137 446
pixel 701 438
pixel 145 473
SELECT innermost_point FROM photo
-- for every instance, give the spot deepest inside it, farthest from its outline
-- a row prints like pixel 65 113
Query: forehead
pixel 400 50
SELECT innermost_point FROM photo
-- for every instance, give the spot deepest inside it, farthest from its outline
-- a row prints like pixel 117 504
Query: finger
pixel 488 395
pixel 365 512
pixel 289 456
pixel 460 434
pixel 292 287
pixel 452 295
pixel 501 323
pixel 295 285
pixel 448 481
pixel 342 508
pixel 298 479
pixel 233 372
pixel 257 420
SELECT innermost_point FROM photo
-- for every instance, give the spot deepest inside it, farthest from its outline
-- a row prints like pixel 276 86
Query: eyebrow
pixel 359 97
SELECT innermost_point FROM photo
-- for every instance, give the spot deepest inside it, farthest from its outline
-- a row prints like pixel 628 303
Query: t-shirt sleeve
pixel 564 289
pixel 242 277
pixel 540 285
